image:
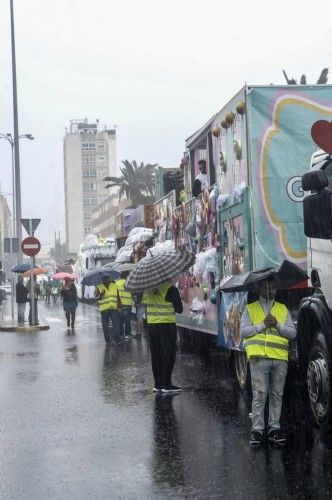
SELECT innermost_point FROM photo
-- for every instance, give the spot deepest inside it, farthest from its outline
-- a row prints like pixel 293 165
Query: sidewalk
pixel 6 324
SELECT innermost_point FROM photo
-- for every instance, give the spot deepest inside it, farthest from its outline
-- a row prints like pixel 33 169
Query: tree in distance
pixel 323 77
pixel 136 182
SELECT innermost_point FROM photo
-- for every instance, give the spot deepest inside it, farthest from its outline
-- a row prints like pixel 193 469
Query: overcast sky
pixel 158 69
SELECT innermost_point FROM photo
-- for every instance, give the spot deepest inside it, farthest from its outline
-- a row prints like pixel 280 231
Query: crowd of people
pixel 266 329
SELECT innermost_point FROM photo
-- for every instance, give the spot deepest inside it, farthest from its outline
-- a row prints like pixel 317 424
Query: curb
pixel 10 328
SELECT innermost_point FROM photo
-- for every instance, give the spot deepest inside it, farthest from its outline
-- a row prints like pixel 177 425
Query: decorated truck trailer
pixel 250 216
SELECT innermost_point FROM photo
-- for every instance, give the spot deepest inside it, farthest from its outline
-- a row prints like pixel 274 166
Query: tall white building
pixel 89 156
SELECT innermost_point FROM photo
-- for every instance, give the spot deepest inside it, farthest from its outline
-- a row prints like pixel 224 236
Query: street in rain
pixel 165 250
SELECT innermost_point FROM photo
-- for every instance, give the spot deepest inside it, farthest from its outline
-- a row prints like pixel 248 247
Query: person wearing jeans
pixel 266 328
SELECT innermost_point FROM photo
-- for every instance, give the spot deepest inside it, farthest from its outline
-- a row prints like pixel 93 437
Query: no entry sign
pixel 30 246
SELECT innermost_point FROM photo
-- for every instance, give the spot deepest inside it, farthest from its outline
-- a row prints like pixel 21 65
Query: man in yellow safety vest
pixel 266 328
pixel 107 295
pixel 126 301
pixel 161 305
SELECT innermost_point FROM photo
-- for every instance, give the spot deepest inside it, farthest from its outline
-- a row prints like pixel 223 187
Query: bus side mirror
pixel 317 215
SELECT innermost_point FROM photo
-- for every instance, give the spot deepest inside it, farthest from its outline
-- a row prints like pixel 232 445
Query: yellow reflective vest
pixel 125 297
pixel 110 297
pixel 269 343
pixel 158 310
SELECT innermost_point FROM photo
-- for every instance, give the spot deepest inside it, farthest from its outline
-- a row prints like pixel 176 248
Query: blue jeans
pixel 125 321
pixel 267 378
pixel 112 333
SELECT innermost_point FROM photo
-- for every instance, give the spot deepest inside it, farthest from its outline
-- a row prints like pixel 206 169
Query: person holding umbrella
pixel 107 295
pixel 126 301
pixel 153 275
pixel 161 305
pixel 69 301
pixel 266 329
pixel 21 300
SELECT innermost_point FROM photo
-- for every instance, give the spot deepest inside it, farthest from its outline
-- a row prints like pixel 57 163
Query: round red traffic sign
pixel 30 246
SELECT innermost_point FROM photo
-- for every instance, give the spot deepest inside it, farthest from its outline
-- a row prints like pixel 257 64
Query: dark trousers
pixel 70 315
pixel 162 339
pixel 113 332
pixel 125 321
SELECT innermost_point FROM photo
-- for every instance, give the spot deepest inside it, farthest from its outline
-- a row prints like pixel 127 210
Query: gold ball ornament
pixel 224 124
pixel 241 107
pixel 230 118
pixel 216 131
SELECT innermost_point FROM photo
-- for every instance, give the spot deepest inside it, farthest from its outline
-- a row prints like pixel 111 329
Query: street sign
pixel 11 245
pixel 30 225
pixel 30 246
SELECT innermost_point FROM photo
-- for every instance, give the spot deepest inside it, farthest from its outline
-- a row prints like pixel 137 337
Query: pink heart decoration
pixel 321 133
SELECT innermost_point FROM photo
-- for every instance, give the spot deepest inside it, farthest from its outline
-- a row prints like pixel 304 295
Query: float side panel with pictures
pixel 195 230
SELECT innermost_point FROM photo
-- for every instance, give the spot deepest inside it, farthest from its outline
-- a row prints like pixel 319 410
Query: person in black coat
pixel 21 300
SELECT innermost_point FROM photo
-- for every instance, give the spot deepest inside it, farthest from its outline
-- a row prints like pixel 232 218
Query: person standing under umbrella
pixel 21 300
pixel 69 301
pixel 126 306
pixel 266 328
pixel 161 305
pixel 108 298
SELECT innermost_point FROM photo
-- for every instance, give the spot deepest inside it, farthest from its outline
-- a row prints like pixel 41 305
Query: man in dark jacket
pixel 21 300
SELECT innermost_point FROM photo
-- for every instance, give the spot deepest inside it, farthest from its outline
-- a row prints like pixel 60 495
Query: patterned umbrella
pixel 153 270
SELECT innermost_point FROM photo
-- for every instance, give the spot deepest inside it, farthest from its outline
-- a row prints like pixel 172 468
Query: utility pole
pixel 18 211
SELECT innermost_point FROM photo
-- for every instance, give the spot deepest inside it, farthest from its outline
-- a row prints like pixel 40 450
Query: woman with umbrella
pixel 153 275
pixel 69 301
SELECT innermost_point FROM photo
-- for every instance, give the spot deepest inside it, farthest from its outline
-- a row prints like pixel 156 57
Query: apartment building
pixel 104 216
pixel 89 156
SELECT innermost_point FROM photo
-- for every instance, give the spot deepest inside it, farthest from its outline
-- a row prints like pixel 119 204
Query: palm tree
pixel 323 77
pixel 136 182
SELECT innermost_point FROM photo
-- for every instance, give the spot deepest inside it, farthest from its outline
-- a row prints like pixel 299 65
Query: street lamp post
pixel 15 214
pixel 18 207
pixel 11 141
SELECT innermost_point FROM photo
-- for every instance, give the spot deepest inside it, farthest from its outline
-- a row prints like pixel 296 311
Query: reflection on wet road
pixel 78 420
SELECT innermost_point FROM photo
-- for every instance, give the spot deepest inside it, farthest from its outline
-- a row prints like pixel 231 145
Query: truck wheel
pixel 242 370
pixel 319 380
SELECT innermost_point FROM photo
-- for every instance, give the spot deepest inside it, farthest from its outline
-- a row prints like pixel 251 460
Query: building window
pixel 88 145
pixel 88 159
pixel 89 186
pixel 90 201
pixel 87 216
pixel 90 174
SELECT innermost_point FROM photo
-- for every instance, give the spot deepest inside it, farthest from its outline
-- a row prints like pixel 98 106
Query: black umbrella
pixel 287 276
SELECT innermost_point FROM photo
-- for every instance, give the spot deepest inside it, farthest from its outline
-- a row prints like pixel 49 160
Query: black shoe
pixel 256 439
pixel 171 389
pixel 277 436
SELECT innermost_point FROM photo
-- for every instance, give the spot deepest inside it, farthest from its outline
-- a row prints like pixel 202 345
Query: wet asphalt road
pixel 80 421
